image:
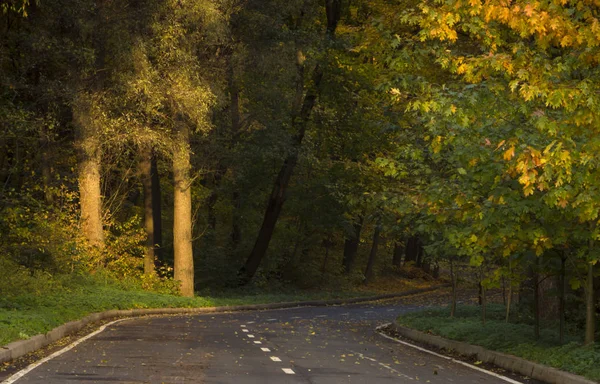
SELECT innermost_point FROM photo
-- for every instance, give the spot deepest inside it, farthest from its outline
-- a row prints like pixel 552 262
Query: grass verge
pixel 513 338
pixel 30 314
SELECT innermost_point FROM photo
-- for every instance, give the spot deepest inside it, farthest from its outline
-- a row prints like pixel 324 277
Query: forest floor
pixel 515 338
pixel 27 315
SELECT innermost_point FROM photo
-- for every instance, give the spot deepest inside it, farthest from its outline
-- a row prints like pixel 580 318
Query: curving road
pixel 302 345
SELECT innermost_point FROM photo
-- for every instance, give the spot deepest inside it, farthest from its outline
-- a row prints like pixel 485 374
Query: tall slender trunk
pixel 299 122
pixel 561 298
pixel 413 245
pixel 482 297
pixel 279 191
pixel 351 246
pixel 509 296
pixel 234 99
pixel 372 255
pixel 89 155
pixel 236 230
pixel 536 300
pixel 454 283
pixel 146 177
pixel 397 258
pixel 590 306
pixel 182 212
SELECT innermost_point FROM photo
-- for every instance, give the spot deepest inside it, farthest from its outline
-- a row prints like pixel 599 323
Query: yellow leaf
pixel 510 153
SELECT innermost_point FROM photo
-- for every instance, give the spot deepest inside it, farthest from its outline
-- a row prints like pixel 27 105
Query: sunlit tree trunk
pixel 182 212
pixel 89 156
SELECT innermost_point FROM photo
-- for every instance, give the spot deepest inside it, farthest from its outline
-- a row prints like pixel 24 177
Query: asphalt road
pixel 302 345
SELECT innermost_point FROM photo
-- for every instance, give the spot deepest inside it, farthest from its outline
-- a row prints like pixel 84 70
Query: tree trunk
pixel 413 246
pixel 278 193
pixel 351 246
pixel 397 258
pixel 236 231
pixel 372 255
pixel 234 99
pixel 561 299
pixel 299 122
pixel 89 155
pixel 182 212
pixel 146 177
pixel 590 318
pixel 509 296
pixel 454 283
pixel 536 300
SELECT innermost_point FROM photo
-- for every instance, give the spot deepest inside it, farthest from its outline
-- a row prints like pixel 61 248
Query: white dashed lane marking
pixel 243 325
pixel 245 330
pixel 251 336
pixel 265 349
pixel 288 371
pixel 250 322
pixel 271 319
pixel 295 317
pixel 275 358
pixel 258 342
pixel 321 316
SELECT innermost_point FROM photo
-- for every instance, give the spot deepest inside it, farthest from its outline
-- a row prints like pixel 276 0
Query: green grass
pixel 27 315
pixel 512 338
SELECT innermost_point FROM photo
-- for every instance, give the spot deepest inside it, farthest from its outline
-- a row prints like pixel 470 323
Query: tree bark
pixel 372 255
pixel 299 122
pixel 590 306
pixel 351 246
pixel 89 155
pixel 454 286
pixel 561 299
pixel 182 212
pixel 278 193
pixel 413 249
pixel 397 258
pixel 234 99
pixel 509 296
pixel 536 300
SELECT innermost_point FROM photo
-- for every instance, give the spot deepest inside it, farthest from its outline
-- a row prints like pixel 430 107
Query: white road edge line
pixel 383 365
pixel 507 379
pixel 33 366
pixel 288 371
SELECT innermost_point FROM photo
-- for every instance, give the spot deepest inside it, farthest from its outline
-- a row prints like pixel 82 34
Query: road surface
pixel 324 345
